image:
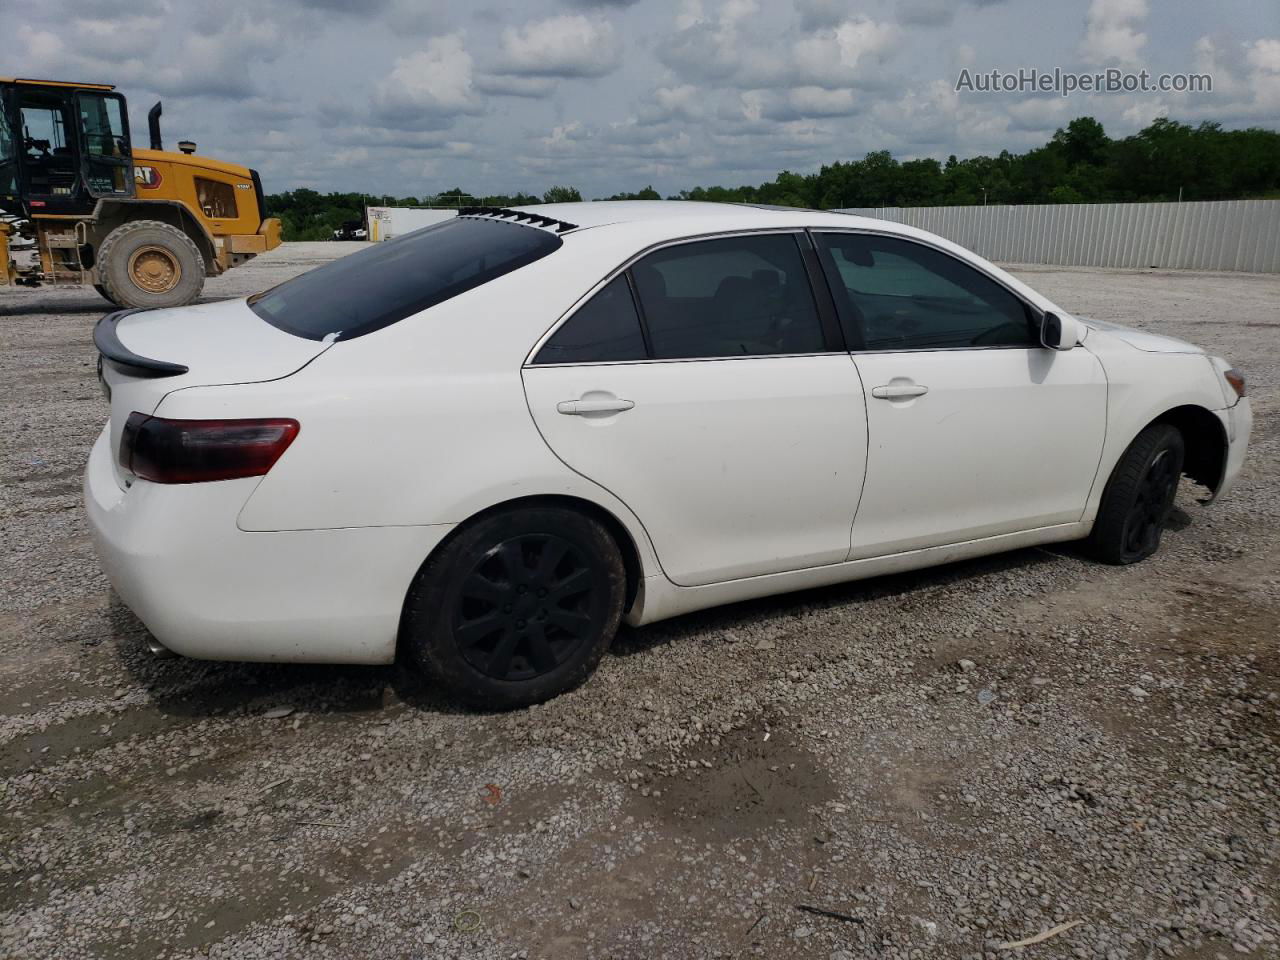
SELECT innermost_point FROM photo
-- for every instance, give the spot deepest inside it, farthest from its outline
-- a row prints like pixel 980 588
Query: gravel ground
pixel 947 761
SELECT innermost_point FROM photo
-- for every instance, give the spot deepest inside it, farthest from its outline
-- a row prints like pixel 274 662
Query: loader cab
pixel 63 147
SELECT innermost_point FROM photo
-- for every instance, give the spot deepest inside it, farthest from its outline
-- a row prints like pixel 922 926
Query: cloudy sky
pixel 405 97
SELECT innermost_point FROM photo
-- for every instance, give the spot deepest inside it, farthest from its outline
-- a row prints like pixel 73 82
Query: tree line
pixel 1166 160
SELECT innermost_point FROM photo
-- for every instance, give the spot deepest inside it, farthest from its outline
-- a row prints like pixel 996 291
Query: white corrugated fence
pixel 1198 235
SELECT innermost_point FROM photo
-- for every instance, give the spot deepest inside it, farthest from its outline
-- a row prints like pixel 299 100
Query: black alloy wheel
pixel 517 606
pixel 1138 497
pixel 527 607
pixel 1145 522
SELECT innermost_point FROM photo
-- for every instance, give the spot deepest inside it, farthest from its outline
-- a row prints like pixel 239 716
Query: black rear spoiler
pixel 108 343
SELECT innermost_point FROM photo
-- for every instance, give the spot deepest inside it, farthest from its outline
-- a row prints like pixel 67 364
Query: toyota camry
pixel 483 445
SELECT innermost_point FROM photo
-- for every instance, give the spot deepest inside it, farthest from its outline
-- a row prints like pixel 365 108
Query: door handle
pixel 576 408
pixel 899 391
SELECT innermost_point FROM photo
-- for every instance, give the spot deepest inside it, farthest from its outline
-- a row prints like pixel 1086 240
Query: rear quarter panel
pixel 423 422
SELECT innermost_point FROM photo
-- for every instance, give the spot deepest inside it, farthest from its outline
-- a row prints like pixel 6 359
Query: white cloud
pixel 709 47
pixel 1111 31
pixel 427 86
pixel 678 103
pixel 832 58
pixel 42 45
pixel 1264 55
pixel 572 45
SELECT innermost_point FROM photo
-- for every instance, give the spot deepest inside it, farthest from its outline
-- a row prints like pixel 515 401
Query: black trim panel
pixel 108 343
pixel 259 196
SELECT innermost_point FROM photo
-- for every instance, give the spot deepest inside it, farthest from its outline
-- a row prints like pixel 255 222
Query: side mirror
pixel 1059 333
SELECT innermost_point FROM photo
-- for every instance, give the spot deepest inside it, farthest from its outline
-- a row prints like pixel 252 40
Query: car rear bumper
pixel 209 590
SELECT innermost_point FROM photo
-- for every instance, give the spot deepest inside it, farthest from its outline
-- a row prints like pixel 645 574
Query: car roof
pixel 633 225
pixel 599 213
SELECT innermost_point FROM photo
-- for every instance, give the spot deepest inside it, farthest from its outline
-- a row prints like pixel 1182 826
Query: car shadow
pixel 203 688
pixel 58 307
pixel 633 640
pixel 212 688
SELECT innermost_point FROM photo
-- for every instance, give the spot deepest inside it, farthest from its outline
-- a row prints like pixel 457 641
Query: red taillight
pixel 194 451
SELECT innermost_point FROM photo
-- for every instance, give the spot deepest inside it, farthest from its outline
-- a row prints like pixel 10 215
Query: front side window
pixel 729 297
pixel 902 295
pixel 102 119
pixel 606 328
pixel 217 199
pixel 389 281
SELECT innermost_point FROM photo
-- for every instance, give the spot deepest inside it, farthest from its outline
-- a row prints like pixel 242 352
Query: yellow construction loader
pixel 144 227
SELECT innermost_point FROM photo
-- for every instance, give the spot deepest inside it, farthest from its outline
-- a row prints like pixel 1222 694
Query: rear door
pixel 724 411
pixel 976 430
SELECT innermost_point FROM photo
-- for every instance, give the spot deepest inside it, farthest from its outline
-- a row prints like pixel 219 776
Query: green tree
pixel 562 195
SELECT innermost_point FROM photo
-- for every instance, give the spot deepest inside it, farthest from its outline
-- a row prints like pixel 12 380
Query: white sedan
pixel 484 444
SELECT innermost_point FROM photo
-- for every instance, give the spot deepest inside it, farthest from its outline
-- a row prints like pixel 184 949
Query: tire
pixel 1138 497
pixel 148 264
pixel 103 293
pixel 518 607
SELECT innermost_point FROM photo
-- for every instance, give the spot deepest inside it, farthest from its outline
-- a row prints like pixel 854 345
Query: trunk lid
pixel 146 355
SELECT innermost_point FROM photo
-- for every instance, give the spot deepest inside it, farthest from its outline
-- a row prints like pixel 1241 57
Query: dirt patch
pixel 746 786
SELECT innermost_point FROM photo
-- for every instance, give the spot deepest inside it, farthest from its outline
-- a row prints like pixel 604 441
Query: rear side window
pixel 606 328
pixel 729 297
pixel 389 281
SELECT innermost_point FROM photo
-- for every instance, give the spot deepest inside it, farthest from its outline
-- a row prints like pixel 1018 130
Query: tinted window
pixel 102 119
pixel 607 327
pixel 393 280
pixel 901 295
pixel 729 297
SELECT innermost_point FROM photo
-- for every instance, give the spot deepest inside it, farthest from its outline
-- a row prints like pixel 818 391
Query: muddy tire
pixel 148 264
pixel 1138 497
pixel 102 292
pixel 517 607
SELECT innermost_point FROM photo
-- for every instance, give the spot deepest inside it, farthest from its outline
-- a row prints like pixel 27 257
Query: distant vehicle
pixel 351 230
pixel 484 443
pixel 144 227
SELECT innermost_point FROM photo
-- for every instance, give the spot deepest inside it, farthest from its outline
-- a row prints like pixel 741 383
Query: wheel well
pixel 626 545
pixel 110 214
pixel 621 536
pixel 1206 443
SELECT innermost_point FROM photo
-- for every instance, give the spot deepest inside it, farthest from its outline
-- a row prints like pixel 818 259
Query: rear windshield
pixel 380 286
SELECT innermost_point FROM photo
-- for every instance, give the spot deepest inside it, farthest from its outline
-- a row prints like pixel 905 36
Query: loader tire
pixel 148 264
pixel 102 291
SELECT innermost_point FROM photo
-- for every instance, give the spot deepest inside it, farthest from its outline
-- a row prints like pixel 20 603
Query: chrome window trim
pixel 633 363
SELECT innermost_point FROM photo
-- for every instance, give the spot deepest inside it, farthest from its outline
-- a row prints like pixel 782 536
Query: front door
pixel 976 430
pixel 107 161
pixel 725 413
